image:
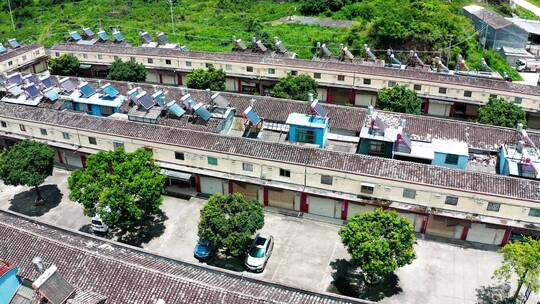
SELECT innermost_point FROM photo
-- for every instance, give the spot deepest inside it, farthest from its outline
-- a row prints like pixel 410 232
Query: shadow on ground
pixel 495 294
pixel 349 281
pixel 151 228
pixel 227 262
pixel 25 202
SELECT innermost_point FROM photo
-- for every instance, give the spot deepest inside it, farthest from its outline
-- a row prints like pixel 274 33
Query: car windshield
pixel 96 222
pixel 257 252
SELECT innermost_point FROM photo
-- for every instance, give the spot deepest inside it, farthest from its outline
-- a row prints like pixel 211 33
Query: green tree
pixel 399 99
pixel 295 87
pixel 314 7
pixel 127 71
pixel 523 260
pixel 380 242
pixel 27 163
pixel 207 79
pixel 501 112
pixel 125 189
pixel 230 221
pixel 67 65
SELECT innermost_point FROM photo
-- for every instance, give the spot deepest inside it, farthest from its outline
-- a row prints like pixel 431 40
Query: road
pixel 528 6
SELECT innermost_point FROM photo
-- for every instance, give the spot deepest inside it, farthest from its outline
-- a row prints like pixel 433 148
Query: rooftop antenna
pixel 38 264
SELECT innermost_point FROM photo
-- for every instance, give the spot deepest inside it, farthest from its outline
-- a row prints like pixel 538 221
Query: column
pixel 179 78
pixel 265 196
pixel 426 106
pixel 197 183
pixel 352 96
pixel 344 209
pixel 506 236
pixel 425 220
pixel 329 96
pixel 231 188
pixel 83 161
pixel 239 84
pixel 261 88
pixel 304 207
pixel 160 78
pixel 464 233
pixel 59 156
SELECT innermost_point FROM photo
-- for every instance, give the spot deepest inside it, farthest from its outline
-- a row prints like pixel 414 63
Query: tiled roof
pixel 459 180
pixel 126 275
pixel 18 51
pixel 310 64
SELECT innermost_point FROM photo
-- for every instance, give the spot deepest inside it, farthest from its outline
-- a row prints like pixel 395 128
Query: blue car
pixel 203 250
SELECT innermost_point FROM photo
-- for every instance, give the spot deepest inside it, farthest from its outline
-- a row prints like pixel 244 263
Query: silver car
pixel 259 252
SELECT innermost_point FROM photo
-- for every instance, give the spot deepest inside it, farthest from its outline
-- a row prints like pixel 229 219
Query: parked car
pixel 204 249
pixel 98 225
pixel 259 252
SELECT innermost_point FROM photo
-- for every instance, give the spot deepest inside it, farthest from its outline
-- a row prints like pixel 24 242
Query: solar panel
pixel 32 91
pixel 252 116
pixel 163 38
pixel 15 90
pixel 103 35
pixel 202 111
pixel 145 101
pixel 175 109
pixel 13 43
pixel 188 101
pixel 67 85
pixel 406 139
pixel 280 47
pixel 51 94
pixel 325 51
pixel 146 37
pixel 118 37
pixel 380 124
pixel 240 45
pixel 15 78
pixel 46 81
pixel 87 42
pixel 88 32
pixel 220 101
pixel 160 98
pixel 75 36
pixel 318 108
pixel 28 79
pixel 109 90
pixel 261 46
pixel 2 49
pixel 86 89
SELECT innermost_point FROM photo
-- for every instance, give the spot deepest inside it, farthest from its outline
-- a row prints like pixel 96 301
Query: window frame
pixel 327 180
pixel 43 131
pixel 409 193
pixel 467 93
pixel 284 172
pixel 317 75
pixel 168 61
pixel 150 60
pixel 3 124
pixel 248 167
pixel 417 87
pixel 271 71
pixel 367 189
pixel 534 212
pixel 66 135
pixel 449 159
pixel 305 136
pixel 92 140
pixel 179 155
pixel 367 81
pixel 451 200
pixel 341 77
pixel 249 69
pixel 212 160
pixel 493 206
pixel 443 90
pixel 22 128
pixel 392 83
pixel 118 144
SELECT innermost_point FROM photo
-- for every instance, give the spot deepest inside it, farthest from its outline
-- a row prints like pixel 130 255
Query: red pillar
pixel 265 196
pixel 33 68
pixel 179 77
pixel 506 236
pixel 239 83
pixel 304 207
pixel 425 220
pixel 464 233
pixel 352 96
pixel 197 183
pixel 261 88
pixel 329 97
pixel 83 161
pixel 426 106
pixel 452 110
pixel 160 78
pixel 231 190
pixel 59 156
pixel 344 209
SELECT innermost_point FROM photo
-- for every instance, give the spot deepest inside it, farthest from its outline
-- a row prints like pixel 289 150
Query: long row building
pixel 452 179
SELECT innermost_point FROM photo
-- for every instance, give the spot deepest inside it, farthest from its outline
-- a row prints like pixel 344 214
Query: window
pixel 167 61
pixel 317 75
pixel 179 155
pixel 417 87
pixel 92 140
pixel 326 180
pixel 10 63
pixel 367 81
pixel 306 136
pixel 376 147
pixel 207 65
pixel 284 173
pixel 247 167
pixel 467 94
pixel 294 73
pixel 84 56
pixel 518 100
pixel 228 67
pixel 105 110
pixel 118 145
pixel 367 189
pixel 391 83
pixel 132 59
pixel 150 60
pixel 4 124
pixel 22 127
pixel 492 96
pixel 57 54
pixel 271 71
pixel 116 58
pixel 493 207
pixel 249 69
pixel 188 63
pixel 409 193
pixel 451 159
pixel 99 56
pixel 43 131
pixel 534 212
pixel 341 77
pixel 442 90
pixel 212 161
pixel 451 200
pixel 65 135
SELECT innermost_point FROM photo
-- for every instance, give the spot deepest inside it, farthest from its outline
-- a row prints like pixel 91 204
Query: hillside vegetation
pixel 424 25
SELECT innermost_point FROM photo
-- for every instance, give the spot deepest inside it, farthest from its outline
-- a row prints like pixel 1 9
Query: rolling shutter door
pixel 73 159
pixel 438 226
pixel 438 109
pixel 323 206
pixel 281 199
pixel 413 219
pixel 249 191
pixel 482 234
pixel 357 208
pixel 210 185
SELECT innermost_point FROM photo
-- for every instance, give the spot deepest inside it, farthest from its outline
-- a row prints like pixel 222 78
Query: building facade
pixel 25 58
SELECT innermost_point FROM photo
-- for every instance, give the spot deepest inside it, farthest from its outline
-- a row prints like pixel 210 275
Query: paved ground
pixel 307 253
pixel 528 6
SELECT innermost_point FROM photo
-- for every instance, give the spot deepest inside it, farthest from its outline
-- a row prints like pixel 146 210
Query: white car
pixel 259 252
pixel 98 225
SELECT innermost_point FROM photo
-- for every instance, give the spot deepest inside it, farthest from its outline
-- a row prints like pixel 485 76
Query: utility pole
pixel 449 50
pixel 172 15
pixel 11 14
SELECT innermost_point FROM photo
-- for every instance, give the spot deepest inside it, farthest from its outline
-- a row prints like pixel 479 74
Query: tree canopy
pixel 209 78
pixel 230 221
pixel 501 112
pixel 399 99
pixel 380 242
pixel 125 189
pixel 127 71
pixel 67 65
pixel 295 87
pixel 27 163
pixel 521 259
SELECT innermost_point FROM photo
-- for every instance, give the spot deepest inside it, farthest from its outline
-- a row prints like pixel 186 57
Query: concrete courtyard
pixel 307 253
